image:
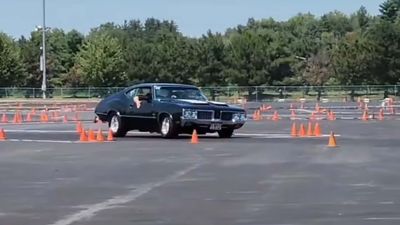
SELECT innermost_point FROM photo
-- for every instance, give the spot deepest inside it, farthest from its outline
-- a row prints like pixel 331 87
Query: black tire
pixel 225 133
pixel 169 131
pixel 120 129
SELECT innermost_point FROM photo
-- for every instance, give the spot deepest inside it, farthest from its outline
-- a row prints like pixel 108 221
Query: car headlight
pixel 238 117
pixel 190 114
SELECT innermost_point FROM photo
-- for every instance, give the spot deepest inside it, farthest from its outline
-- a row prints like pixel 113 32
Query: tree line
pixel 334 49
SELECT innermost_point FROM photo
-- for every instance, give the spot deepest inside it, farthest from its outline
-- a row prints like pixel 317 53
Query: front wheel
pixel 116 126
pixel 225 133
pixel 167 128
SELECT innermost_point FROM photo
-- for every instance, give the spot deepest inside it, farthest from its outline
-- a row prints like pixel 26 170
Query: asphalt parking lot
pixel 261 176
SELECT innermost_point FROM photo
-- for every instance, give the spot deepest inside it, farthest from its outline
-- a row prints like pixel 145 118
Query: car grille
pixel 204 115
pixel 227 116
pixel 217 114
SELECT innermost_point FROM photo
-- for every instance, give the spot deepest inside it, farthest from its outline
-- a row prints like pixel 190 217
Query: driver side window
pixel 144 91
pixel 131 93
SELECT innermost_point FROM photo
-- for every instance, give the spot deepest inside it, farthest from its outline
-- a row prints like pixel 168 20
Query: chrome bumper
pixel 189 122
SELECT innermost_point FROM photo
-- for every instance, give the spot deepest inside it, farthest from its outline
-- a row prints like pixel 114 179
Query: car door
pixel 130 112
pixel 143 110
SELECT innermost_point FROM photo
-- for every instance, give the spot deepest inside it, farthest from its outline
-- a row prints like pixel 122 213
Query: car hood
pixel 197 103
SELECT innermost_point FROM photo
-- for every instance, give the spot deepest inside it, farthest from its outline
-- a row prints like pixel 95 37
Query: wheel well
pixel 162 116
pixel 110 113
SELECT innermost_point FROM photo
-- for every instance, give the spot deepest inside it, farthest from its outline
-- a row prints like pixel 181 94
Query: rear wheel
pixel 225 133
pixel 116 125
pixel 168 128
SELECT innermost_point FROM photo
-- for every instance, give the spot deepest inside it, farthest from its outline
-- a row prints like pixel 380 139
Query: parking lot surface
pixel 260 176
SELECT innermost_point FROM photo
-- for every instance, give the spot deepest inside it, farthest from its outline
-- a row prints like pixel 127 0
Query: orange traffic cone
pixel 302 131
pixel 100 137
pixel 91 136
pixel 381 115
pixel 195 138
pixel 28 117
pixel 79 128
pixel 317 130
pixel 309 129
pixel 317 107
pixel 275 117
pixel 33 111
pixel 313 116
pixel 332 141
pixel 45 118
pixel 15 119
pixel 4 118
pixel 65 119
pixel 19 117
pixel 3 136
pixel 83 137
pixel 293 115
pixel 110 136
pixel 331 115
pixel 255 115
pixel 293 131
pixel 365 116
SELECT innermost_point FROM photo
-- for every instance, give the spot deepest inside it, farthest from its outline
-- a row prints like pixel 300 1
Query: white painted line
pixel 116 201
pixel 382 218
pixel 265 135
pixel 41 141
pixel 40 131
pixel 56 141
pixel 254 135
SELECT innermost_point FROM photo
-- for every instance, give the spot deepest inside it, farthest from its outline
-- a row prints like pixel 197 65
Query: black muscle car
pixel 169 109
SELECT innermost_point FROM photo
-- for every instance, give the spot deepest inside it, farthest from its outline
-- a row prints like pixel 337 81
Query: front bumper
pixel 205 124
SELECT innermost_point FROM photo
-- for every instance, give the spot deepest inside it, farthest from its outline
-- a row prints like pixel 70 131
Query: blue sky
pixel 194 17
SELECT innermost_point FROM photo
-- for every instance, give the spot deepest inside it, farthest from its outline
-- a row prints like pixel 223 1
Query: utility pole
pixel 43 61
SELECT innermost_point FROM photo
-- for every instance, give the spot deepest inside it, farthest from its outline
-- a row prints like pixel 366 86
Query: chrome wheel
pixel 165 126
pixel 114 124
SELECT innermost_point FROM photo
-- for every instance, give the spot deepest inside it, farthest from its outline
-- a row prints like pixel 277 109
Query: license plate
pixel 216 126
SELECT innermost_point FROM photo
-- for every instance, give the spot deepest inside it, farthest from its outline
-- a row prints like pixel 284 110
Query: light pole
pixel 44 86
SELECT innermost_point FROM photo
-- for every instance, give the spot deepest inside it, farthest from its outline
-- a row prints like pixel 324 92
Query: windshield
pixel 188 93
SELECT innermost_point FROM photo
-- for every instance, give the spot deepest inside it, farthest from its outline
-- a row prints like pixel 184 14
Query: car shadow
pixel 180 137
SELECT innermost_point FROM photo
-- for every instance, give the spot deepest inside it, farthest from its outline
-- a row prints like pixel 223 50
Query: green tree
pixel 11 66
pixel 30 53
pixel 100 62
pixel 390 10
pixel 319 68
pixel 211 56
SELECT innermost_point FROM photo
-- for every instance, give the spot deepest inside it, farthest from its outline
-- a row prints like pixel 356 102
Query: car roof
pixel 163 85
